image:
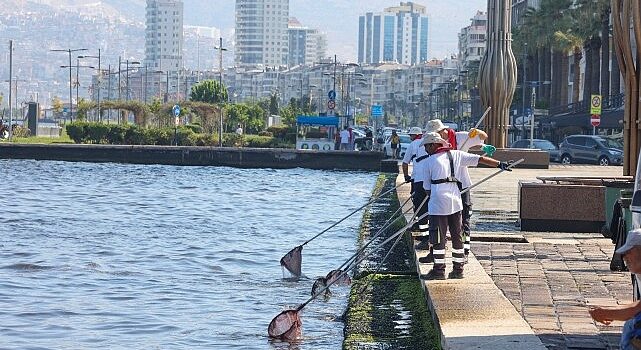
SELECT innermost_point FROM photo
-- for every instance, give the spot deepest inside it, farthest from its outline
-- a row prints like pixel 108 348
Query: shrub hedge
pixel 127 134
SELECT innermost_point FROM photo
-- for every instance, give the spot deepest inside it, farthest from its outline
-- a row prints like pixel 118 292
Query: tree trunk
pixel 547 77
pixel 563 88
pixel 555 93
pixel 605 54
pixel 615 87
pixel 587 89
pixel 595 84
pixel 576 85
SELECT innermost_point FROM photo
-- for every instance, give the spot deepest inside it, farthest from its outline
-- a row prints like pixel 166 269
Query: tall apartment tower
pixel 306 45
pixel 472 40
pixel 164 35
pixel 398 34
pixel 261 32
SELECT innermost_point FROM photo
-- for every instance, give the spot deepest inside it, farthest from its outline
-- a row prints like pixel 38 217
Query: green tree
pixel 209 91
pixel 56 103
pixel 273 104
pixel 255 119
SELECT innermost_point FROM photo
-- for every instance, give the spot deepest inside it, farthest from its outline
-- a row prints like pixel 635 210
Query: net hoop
pixel 286 326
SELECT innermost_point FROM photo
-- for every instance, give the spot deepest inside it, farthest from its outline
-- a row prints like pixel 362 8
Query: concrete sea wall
pixel 196 156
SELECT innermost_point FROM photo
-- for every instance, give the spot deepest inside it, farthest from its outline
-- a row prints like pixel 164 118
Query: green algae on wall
pixel 392 312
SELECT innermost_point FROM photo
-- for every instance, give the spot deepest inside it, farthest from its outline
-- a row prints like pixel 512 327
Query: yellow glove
pixel 473 133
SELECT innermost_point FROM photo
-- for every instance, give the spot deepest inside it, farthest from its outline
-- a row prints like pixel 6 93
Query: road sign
pixel 65 111
pixel 331 104
pixel 377 111
pixel 176 110
pixel 331 94
pixel 595 105
pixel 595 120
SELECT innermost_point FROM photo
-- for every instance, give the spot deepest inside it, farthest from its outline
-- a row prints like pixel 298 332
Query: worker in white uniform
pixel 416 155
pixel 441 173
pixel 462 141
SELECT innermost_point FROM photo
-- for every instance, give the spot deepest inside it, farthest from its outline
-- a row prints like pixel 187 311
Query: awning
pixel 314 120
pixel 610 119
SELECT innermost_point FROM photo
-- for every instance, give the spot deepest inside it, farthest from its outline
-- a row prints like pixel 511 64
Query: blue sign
pixel 377 111
pixel 528 112
pixel 176 110
pixel 331 95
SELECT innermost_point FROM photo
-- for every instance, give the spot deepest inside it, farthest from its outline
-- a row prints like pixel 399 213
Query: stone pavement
pixel 516 290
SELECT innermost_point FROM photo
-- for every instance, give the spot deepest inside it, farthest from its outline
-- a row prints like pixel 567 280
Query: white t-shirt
pixel 413 151
pixel 239 131
pixel 418 172
pixel 344 136
pixel 445 198
pixel 461 136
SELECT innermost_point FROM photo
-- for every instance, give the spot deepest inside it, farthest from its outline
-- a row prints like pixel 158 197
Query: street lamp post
pixel 532 117
pixel 99 79
pixel 78 66
pixel 70 51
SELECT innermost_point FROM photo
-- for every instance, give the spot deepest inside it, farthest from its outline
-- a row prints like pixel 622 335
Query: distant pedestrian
pixel 369 138
pixel 351 138
pixel 239 130
pixel 337 139
pixel 395 141
pixel 345 139
pixel 416 154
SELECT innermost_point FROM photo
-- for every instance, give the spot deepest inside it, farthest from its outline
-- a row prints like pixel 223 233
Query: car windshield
pixel 544 144
pixel 405 139
pixel 611 143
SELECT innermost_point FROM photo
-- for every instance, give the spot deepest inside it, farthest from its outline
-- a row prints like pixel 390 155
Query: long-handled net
pixel 293 260
pixel 345 279
pixel 287 324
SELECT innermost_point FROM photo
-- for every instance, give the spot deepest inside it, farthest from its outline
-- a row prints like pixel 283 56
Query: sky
pixel 339 19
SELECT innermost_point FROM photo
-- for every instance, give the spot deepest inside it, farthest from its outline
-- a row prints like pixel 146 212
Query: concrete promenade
pixel 533 295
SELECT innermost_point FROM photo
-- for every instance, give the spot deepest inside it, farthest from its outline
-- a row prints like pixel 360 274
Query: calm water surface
pixel 158 257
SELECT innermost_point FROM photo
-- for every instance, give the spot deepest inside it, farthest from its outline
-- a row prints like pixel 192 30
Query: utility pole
pixel 523 85
pixel 532 117
pixel 220 49
pixel 10 89
pixel 70 51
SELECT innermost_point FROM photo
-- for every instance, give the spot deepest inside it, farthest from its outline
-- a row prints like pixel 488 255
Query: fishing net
pixel 292 261
pixel 338 276
pixel 318 285
pixel 285 326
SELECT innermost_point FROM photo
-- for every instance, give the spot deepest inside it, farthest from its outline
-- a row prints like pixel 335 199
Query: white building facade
pixel 261 32
pixel 398 34
pixel 164 36
pixel 473 41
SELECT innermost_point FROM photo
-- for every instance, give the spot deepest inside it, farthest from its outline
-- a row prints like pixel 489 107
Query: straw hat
pixel 435 125
pixel 633 240
pixel 415 130
pixel 432 137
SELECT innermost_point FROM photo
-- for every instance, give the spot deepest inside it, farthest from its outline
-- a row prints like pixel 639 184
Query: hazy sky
pixel 339 19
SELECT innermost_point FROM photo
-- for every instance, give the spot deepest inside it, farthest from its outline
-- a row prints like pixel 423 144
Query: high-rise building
pixel 398 34
pixel 261 32
pixel 164 35
pixel 306 45
pixel 520 7
pixel 472 40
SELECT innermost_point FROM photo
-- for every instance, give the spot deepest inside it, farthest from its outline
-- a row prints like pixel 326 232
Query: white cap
pixel 415 130
pixel 633 240
pixel 435 125
pixel 432 137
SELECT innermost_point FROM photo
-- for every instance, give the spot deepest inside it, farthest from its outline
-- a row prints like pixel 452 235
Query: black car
pixel 590 149
pixel 544 145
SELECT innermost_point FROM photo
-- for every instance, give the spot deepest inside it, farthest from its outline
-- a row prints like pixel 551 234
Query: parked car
pixel 590 149
pixel 405 142
pixel 544 145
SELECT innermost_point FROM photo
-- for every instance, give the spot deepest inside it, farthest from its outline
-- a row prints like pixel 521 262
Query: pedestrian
pixel 442 170
pixel 416 155
pixel 395 141
pixel 631 312
pixel 351 138
pixel 239 130
pixel 337 139
pixel 345 139
pixel 369 138
pixel 467 140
